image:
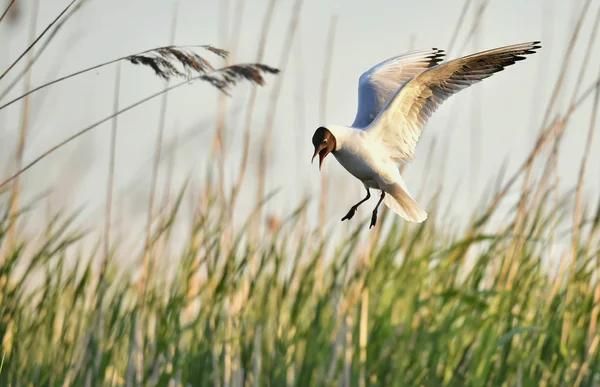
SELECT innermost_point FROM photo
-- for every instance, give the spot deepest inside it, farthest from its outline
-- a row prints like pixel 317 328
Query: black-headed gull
pixel 395 99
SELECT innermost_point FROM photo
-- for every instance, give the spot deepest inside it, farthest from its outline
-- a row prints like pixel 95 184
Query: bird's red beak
pixel 322 152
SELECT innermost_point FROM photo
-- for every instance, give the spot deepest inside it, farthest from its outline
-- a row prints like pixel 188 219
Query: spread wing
pixel 377 85
pixel 401 121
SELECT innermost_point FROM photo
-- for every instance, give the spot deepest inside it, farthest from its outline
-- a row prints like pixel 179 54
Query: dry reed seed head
pixel 165 61
pixel 187 58
pixel 220 52
pixel 229 76
pixel 250 72
pixel 161 67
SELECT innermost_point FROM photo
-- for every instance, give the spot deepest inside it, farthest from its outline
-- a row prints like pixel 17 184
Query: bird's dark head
pixel 324 143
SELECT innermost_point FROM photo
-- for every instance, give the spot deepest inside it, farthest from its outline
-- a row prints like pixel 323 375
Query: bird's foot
pixel 373 219
pixel 350 214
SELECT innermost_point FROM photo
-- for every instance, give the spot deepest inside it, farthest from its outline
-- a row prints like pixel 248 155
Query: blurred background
pixel 498 287
pixel 468 139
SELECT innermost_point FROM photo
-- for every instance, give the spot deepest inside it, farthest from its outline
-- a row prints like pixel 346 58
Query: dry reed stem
pixel 553 162
pixel 578 198
pixel 476 119
pixel 166 242
pixel 227 353
pixel 364 304
pixel 555 94
pixel 147 257
pixel 270 120
pixel 362 337
pixel 162 60
pixel 266 24
pixel 452 43
pixel 99 328
pixel 560 272
pixel 558 128
pixel 111 172
pixel 257 355
pixel 147 263
pixel 476 23
pixel 565 64
pixel 595 310
pixel 348 328
pixel 541 74
pixel 585 366
pixel 552 131
pixel 551 166
pixel 14 198
pixel 58 26
pixel 509 269
pixel 543 139
pixel 6 10
pixel 339 336
pixel 459 24
pixel 36 39
pixel 549 108
pixel 223 34
pixel 544 183
pixel 300 120
pixel 217 152
pixel 220 78
pixel 219 140
pixel 323 111
pixel 250 108
pixel 215 358
pixel 323 118
pixel 578 83
pixel 588 53
pixel 168 151
pixel 592 123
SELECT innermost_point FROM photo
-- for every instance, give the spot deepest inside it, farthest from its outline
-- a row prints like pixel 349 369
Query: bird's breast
pixel 367 160
pixel 360 164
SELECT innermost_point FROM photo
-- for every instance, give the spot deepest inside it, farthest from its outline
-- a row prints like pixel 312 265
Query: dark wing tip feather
pixel 535 45
pixel 436 57
pixel 517 54
pixel 482 65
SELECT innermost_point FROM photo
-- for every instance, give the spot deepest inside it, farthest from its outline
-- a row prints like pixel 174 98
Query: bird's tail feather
pixel 398 199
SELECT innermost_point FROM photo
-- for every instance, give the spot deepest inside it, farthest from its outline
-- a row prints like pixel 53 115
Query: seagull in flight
pixel 395 99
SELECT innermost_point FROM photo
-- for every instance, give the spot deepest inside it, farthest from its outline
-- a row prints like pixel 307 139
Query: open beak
pixel 322 152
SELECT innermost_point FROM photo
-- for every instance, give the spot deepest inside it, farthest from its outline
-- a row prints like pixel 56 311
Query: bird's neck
pixel 341 134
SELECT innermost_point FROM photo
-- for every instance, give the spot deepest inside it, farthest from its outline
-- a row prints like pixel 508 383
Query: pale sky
pixel 510 104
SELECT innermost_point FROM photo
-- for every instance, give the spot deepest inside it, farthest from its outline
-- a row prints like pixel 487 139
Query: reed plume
pixel 223 79
pixel 164 60
pixel 178 62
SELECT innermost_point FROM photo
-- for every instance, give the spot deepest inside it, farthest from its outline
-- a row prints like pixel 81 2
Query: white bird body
pixel 366 158
pixel 358 154
pixel 396 98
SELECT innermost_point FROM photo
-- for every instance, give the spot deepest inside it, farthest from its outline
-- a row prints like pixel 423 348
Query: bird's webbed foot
pixel 350 213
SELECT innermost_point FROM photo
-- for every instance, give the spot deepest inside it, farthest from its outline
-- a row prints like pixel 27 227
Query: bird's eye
pixel 325 141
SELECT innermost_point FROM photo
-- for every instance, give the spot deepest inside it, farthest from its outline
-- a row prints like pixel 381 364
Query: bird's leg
pixel 352 211
pixel 374 217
